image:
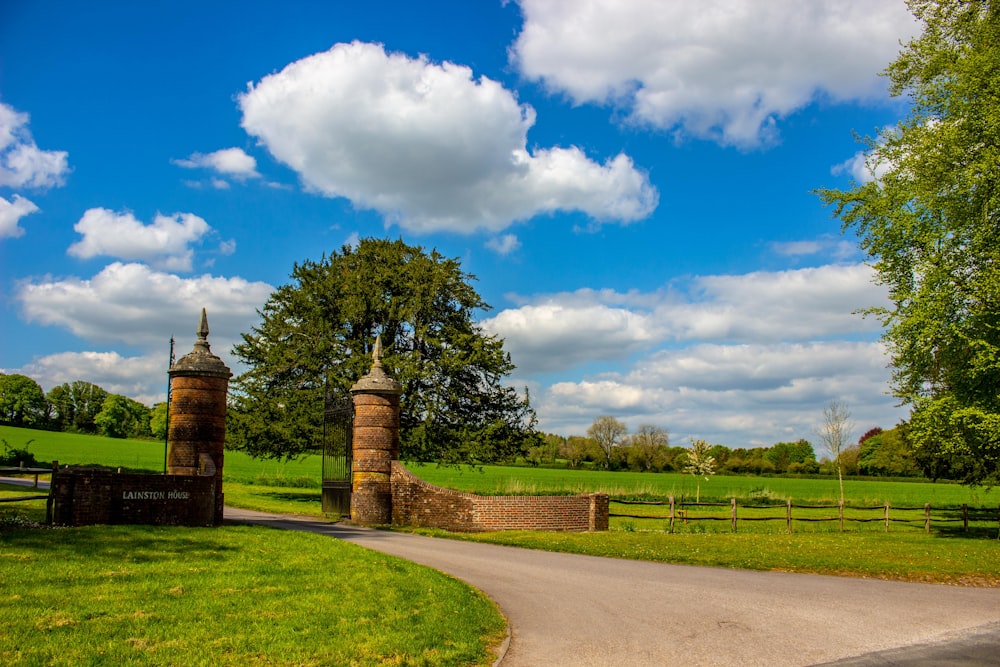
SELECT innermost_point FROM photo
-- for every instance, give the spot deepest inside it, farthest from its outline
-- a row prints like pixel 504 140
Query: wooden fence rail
pixel 21 470
pixel 680 511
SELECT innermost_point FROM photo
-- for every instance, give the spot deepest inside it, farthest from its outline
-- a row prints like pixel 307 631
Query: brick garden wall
pixel 88 496
pixel 417 503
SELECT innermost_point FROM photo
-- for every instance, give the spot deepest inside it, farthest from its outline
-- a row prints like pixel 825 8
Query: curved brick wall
pixel 417 503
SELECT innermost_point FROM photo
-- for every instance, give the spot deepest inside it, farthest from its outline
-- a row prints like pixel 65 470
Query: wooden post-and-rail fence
pixel 678 511
pixel 21 470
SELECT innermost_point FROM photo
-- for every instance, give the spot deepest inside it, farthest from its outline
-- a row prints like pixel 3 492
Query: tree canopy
pixel 929 220
pixel 22 402
pixel 314 342
pixel 607 432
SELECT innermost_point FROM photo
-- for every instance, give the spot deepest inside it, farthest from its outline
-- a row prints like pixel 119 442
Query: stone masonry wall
pixel 417 503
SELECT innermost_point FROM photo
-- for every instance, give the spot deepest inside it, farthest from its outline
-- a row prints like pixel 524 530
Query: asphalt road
pixel 566 609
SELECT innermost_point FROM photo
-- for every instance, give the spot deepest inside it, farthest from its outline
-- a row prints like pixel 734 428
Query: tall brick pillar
pixel 196 435
pixel 375 444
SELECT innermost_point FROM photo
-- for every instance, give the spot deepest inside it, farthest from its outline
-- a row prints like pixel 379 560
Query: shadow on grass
pixel 128 543
pixel 974 533
pixel 291 496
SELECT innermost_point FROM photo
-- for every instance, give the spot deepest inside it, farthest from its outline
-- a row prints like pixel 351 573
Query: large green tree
pixel 123 417
pixel 76 404
pixel 315 340
pixel 929 220
pixel 22 401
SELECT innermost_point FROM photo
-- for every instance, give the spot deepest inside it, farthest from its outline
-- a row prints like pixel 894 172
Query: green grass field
pixel 946 555
pixel 237 595
pixel 534 481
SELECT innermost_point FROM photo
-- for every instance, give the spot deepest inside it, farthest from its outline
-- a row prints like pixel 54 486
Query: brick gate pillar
pixel 196 435
pixel 375 444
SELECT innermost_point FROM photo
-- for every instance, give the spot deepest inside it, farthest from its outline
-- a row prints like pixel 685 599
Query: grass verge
pixel 903 557
pixel 276 499
pixel 237 595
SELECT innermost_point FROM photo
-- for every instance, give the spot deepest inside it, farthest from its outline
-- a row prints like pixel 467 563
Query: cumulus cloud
pixel 427 145
pixel 164 244
pixel 558 335
pixel 725 70
pixel 142 378
pixel 139 306
pixel 558 332
pixel 737 395
pixel 22 163
pixel 232 162
pixel 11 213
pixel 744 360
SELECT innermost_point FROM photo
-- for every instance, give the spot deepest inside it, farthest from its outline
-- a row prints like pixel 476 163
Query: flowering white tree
pixel 699 463
pixel 835 434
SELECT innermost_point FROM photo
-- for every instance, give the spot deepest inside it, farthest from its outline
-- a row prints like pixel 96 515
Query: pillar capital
pixel 377 381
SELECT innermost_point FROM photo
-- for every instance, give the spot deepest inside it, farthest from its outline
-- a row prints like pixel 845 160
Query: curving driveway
pixel 566 609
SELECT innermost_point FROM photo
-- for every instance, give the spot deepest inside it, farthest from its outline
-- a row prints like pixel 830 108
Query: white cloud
pixel 504 245
pixel 737 395
pixel 725 70
pixel 837 248
pixel 556 335
pixel 134 304
pixel 786 305
pixel 165 243
pixel 427 145
pixel 232 162
pixel 558 332
pixel 22 163
pixel 11 213
pixel 142 378
pixel 863 167
pixel 745 360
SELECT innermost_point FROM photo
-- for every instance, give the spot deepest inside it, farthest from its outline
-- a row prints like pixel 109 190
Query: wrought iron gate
pixel 338 427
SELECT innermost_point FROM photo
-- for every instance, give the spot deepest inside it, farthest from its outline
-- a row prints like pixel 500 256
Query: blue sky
pixel 630 182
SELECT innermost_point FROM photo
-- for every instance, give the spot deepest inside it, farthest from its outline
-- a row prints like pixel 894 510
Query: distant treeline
pixel 883 453
pixel 78 407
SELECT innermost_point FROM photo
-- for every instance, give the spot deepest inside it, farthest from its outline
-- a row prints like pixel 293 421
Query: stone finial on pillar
pixel 196 435
pixel 375 443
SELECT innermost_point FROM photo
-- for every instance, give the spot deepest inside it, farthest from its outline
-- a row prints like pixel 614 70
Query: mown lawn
pixel 895 556
pixel 237 595
pixel 865 550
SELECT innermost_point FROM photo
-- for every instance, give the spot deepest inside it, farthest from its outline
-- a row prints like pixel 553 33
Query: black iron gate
pixel 338 426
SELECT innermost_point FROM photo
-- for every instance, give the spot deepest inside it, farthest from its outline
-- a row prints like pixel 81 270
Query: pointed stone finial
pixel 200 359
pixel 203 327
pixel 377 381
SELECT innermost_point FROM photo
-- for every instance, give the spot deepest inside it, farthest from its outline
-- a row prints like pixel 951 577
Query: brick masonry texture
pixel 375 444
pixel 417 503
pixel 87 496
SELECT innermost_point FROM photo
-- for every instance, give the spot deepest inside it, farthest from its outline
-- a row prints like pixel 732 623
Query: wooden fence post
pixel 671 514
pixel 788 515
pixel 734 514
pixel 965 518
pixel 887 517
pixel 840 512
pixel 927 517
pixel 52 489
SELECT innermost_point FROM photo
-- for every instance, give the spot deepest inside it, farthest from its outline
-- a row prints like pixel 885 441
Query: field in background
pixel 865 550
pixel 305 473
pixel 634 485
